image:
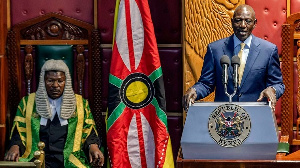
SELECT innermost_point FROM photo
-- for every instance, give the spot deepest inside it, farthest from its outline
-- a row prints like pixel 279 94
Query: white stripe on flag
pixel 133 145
pixel 148 141
pixel 137 33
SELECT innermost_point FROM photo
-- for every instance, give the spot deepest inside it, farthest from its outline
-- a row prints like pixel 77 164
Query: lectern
pixel 230 131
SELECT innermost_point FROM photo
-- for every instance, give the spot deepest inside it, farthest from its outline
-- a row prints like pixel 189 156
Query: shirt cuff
pixel 274 90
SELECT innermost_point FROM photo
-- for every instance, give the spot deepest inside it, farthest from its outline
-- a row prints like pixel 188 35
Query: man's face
pixel 243 22
pixel 55 83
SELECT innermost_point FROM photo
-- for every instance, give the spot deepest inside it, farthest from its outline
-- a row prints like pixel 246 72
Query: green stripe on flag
pixel 114 115
pixel 155 74
pixel 159 112
pixel 115 81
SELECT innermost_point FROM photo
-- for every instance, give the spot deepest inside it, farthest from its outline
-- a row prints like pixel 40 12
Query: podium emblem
pixel 229 125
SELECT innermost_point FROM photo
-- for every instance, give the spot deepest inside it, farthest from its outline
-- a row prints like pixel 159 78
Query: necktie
pixel 242 66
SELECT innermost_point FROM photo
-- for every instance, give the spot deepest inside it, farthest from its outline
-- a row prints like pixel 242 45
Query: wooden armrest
pixel 284 139
pixel 38 163
pixel 16 164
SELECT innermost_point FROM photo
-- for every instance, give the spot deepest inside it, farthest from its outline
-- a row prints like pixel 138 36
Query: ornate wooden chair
pixel 54 36
pixel 290 121
pixel 39 161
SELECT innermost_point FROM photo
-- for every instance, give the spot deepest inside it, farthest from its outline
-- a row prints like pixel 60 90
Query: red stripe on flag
pixel 161 136
pixel 141 140
pixel 129 35
pixel 117 142
pixel 118 68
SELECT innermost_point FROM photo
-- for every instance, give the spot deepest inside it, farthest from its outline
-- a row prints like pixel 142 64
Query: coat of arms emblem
pixel 229 125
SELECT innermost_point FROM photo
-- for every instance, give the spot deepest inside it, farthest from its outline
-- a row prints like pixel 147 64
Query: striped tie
pixel 242 66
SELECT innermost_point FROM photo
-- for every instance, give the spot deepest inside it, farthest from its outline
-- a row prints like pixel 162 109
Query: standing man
pixel 259 72
pixel 59 118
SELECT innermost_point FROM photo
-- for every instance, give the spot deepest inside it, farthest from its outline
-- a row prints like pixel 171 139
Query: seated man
pixel 59 118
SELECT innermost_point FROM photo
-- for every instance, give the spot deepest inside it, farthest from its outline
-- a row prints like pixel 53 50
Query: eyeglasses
pixel 51 82
pixel 240 21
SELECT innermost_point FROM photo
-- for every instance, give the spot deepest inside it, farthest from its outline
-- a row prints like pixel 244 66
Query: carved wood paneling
pixel 96 83
pixel 287 72
pixel 205 22
pixel 3 26
pixel 13 77
pixel 80 64
pixel 3 77
pixel 53 28
pixel 3 104
pixel 28 67
pixel 298 92
pixel 297 25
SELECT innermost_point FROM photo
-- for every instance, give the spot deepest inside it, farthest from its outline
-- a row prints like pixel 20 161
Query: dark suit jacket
pixel 262 70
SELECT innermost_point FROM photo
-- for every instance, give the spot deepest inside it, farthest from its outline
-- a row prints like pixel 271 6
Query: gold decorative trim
pixel 96 14
pixel 78 133
pixel 29 110
pixel 75 161
pixel 8 15
pixel 85 130
pixel 288 8
pixel 21 129
pixel 22 138
pixel 90 121
pixel 20 119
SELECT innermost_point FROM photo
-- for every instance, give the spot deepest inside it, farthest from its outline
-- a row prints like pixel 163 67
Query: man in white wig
pixel 59 118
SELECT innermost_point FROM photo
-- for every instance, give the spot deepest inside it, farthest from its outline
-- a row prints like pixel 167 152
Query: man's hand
pixel 96 156
pixel 188 98
pixel 269 93
pixel 13 154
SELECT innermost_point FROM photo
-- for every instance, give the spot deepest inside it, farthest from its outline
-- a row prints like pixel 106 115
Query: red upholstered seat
pixel 270 16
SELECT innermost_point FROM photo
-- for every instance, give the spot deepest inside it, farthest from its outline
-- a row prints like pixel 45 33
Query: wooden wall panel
pixel 3 76
pixel 3 26
pixel 3 104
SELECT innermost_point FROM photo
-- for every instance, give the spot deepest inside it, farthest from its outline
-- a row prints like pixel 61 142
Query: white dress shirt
pixel 55 108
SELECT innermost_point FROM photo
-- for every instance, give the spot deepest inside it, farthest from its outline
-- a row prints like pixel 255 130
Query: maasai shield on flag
pixel 137 134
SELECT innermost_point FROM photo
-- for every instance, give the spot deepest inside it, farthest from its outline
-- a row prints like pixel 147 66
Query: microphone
pixel 225 61
pixel 235 63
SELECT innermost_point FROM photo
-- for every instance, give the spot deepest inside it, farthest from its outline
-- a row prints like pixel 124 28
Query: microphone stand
pixel 230 96
pixel 224 61
pixel 235 63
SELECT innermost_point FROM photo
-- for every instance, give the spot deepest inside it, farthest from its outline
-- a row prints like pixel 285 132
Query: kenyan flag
pixel 137 134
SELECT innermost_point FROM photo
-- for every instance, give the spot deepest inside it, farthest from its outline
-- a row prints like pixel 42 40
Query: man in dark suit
pixel 259 71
